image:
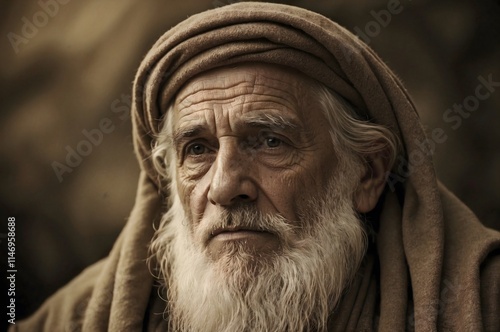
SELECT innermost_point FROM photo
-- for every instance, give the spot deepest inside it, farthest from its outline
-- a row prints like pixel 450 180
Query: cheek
pixel 281 192
pixel 292 191
pixel 193 195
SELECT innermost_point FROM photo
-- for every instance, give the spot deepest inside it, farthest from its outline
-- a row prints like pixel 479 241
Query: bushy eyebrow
pixel 182 134
pixel 270 121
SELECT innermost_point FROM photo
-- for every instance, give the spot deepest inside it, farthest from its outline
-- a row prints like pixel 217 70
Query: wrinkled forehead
pixel 228 82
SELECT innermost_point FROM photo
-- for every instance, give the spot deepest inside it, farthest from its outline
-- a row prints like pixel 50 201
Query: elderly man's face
pixel 252 135
pixel 262 224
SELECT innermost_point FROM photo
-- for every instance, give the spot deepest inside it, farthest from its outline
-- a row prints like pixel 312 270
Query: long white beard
pixel 294 290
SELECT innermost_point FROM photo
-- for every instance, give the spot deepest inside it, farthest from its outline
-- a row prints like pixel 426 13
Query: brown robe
pixel 433 265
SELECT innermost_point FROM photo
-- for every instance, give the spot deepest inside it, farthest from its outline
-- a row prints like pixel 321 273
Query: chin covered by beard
pixel 293 289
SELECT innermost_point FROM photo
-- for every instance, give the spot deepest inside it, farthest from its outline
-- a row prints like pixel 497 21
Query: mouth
pixel 253 239
pixel 239 234
pixel 232 230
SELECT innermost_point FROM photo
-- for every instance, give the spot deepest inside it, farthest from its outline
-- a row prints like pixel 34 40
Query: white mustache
pixel 248 218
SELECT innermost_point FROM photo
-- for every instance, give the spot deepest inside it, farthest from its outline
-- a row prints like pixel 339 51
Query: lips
pixel 234 229
pixel 253 241
pixel 238 233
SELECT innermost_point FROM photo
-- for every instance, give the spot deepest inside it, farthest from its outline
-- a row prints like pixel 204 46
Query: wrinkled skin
pixel 252 134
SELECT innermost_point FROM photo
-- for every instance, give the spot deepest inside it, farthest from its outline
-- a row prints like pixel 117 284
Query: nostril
pixel 244 197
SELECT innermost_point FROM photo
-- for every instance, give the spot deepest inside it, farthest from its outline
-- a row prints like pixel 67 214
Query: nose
pixel 231 181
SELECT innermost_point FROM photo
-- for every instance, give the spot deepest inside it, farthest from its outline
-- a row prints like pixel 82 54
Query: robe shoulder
pixel 65 310
pixel 490 292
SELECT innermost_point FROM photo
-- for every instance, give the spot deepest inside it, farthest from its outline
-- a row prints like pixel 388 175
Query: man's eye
pixel 196 149
pixel 272 142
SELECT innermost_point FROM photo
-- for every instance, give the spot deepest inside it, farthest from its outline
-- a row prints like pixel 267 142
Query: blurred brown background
pixel 67 65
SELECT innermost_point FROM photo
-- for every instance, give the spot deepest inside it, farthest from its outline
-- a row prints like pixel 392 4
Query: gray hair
pixel 352 134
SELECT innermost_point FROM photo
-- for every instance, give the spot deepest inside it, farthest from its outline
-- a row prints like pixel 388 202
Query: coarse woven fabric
pixel 435 266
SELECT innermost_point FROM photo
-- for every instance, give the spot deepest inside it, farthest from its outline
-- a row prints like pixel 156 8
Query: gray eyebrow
pixel 182 133
pixel 271 121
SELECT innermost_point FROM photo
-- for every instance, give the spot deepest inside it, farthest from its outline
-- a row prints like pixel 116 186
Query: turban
pixel 433 264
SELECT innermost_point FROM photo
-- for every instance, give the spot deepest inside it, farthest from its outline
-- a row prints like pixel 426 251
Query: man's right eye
pixel 196 149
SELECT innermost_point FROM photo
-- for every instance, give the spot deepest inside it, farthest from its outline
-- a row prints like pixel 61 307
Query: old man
pixel 268 137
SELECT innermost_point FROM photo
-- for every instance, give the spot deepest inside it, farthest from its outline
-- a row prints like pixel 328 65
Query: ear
pixel 372 182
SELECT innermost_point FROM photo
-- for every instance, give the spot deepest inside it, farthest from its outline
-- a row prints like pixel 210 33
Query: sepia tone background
pixel 72 71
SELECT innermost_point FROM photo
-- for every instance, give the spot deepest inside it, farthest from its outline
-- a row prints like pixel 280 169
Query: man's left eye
pixel 273 142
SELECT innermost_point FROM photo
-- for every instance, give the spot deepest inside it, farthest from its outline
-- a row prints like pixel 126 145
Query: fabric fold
pixel 393 291
pixel 119 300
